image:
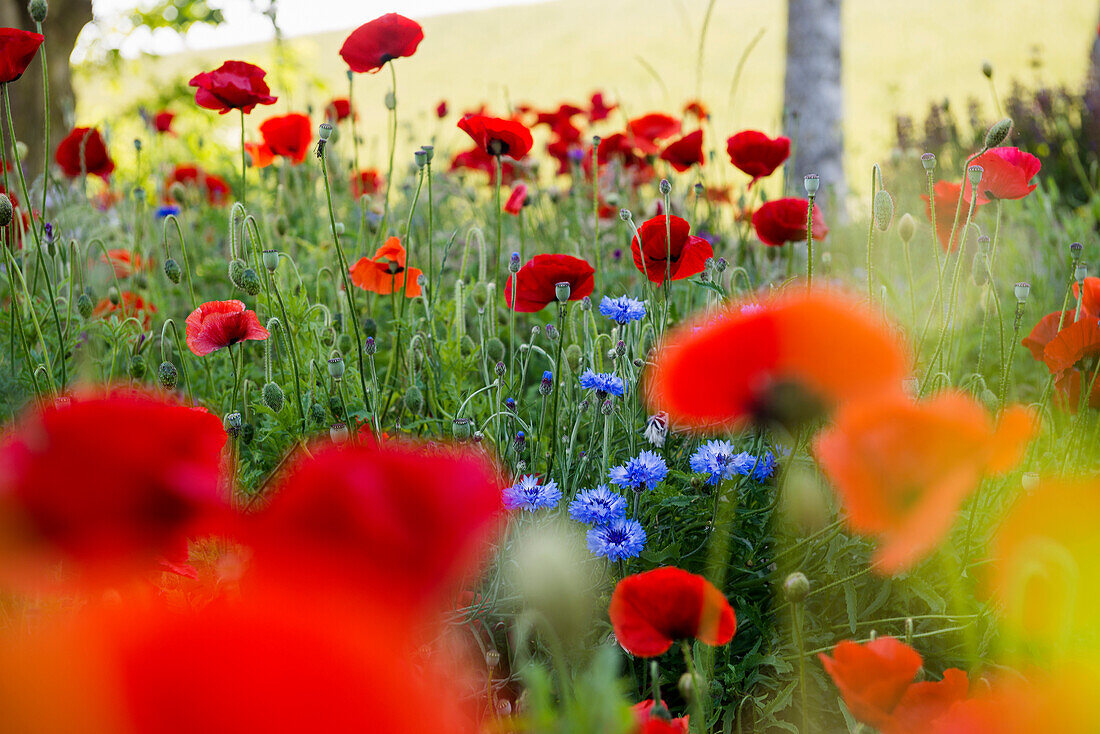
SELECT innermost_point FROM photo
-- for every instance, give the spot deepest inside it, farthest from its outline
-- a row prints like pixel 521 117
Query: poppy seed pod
pixel 796 587
pixel 232 423
pixel 812 182
pixel 338 432
pixel 562 291
pixel 429 151
pixel 273 396
pixel 460 428
pixel 907 227
pixel 1080 271
pixel 168 375
pixel 6 210
pixel 974 175
pixel 1075 251
pixel 1022 290
pixel 38 10
pixel 84 305
pixel 250 282
pixel 884 210
pixel 271 260
pixel 336 368
pixel 421 158
pixel 928 160
pixel 324 131
pixel 172 270
pixel 998 132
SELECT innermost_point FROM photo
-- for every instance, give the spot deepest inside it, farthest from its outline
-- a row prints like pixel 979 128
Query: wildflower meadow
pixel 586 416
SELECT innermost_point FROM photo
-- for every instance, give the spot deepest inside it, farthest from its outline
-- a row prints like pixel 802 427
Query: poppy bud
pixel 232 423
pixel 796 587
pixel 172 270
pixel 282 225
pixel 37 10
pixel 998 132
pixel 168 375
pixel 460 428
pixel 6 210
pixel 1080 272
pixel 928 160
pixel 271 260
pixel 1022 290
pixel 236 270
pixel 907 227
pixel 324 131
pixel 686 686
pixel 20 150
pixel 494 349
pixel 338 432
pixel 547 385
pixel 421 158
pixel 250 281
pixel 317 413
pixel 335 407
pixel 429 151
pixel 339 228
pixel 391 101
pixel 573 357
pixel 414 399
pixel 987 69
pixel 562 291
pixel 112 296
pixel 979 269
pixel 884 210
pixel 974 175
pixel 625 215
pixel 812 182
pixel 665 186
pixel 139 192
pixel 1075 251
pixel 84 305
pixel 370 327
pixel 479 295
pixel 466 345
pixel 336 368
pixel 607 407
pixel 273 396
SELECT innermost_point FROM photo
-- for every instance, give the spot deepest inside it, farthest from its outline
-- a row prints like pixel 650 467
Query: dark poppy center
pixel 496 146
pixel 386 57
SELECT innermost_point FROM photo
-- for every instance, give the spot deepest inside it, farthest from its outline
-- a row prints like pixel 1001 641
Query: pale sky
pixel 246 24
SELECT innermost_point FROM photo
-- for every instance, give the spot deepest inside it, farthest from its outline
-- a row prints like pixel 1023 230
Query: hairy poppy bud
pixel 686 686
pixel 172 270
pixel 907 227
pixel 460 428
pixel 998 132
pixel 113 296
pixel 665 186
pixel 391 101
pixel 343 343
pixel 884 210
pixel 494 349
pixel 338 432
pixel 37 10
pixel 282 225
pixel 6 210
pixel 812 182
pixel 562 291
pixel 273 396
pixel 336 368
pixel 987 69
pixel 479 295
pixel 250 281
pixel 335 406
pixel 414 399
pixel 139 192
pixel 370 327
pixel 271 260
pixel 324 131
pixel 979 269
pixel 236 270
pixel 466 345
pixel 796 587
pixel 928 160
pixel 84 305
pixel 1022 290
pixel 168 375
pixel 573 357
pixel 317 413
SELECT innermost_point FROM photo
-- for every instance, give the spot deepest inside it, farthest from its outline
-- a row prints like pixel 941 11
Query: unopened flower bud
pixel 391 101
pixel 113 296
pixel 586 303
pixel 573 357
pixel 665 186
pixel 168 375
pixel 987 69
pixel 1022 290
pixel 494 349
pixel 500 369
pixel 513 263
pixel 172 270
pixel 84 305
pixel 250 281
pixel 884 209
pixel 414 399
pixel 796 587
pixel 6 210
pixel 37 10
pixel 625 215
pixel 236 270
pixel 812 182
pixel 907 227
pixel 607 407
pixel 547 384
pixel 620 348
pixel 998 132
pixel 369 346
pixel 273 396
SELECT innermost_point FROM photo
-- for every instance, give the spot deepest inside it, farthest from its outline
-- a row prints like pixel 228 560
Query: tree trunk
pixel 813 98
pixel 65 20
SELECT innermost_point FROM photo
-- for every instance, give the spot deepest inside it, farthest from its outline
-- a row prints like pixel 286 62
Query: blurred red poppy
pixel 685 152
pixel 496 136
pixel 1073 343
pixel 651 610
pixel 129 304
pixel 516 200
pixel 1089 297
pixel 124 262
pixel 259 155
pixel 235 85
pixel 536 282
pixel 288 136
pixel 783 360
pixel 757 155
pixel 17 50
pixel 386 273
pixel 872 677
pixel 83 151
pixel 947 200
pixel 338 109
pixel 369 182
pixel 1006 174
pixel 383 39
pixel 784 220
pixel 477 159
pixel 215 188
pixel 1044 331
pixel 598 109
pixel 643 712
pixel 441 109
pixel 162 122
pixel 407 518
pixel 927 701
pixel 697 109
pixel 72 490
pixel 669 247
pixel 647 130
pixel 902 469
pixel 215 325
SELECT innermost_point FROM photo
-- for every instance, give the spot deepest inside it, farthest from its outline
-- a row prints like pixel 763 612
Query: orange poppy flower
pixel 872 677
pixel 927 701
pixel 1072 344
pixel 124 262
pixel 386 273
pixel 1069 390
pixel 129 304
pixel 902 469
pixel 771 362
pixel 1045 331
pixel 1090 304
pixel 260 155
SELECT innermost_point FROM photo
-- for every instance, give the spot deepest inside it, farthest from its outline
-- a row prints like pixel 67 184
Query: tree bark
pixel 65 20
pixel 813 98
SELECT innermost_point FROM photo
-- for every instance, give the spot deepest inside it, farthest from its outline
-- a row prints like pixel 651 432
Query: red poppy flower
pixel 17 50
pixel 386 273
pixel 720 195
pixel 124 262
pixel 235 85
pixel 129 304
pixel 617 146
pixel 757 155
pixel 405 518
pixel 784 220
pixel 685 152
pixel 496 136
pixel 259 154
pixel 643 712
pixel 560 122
pixel 1068 385
pixel 947 199
pixel 477 159
pixel 536 282
pixel 902 469
pixel 516 200
pixel 215 188
pixel 774 361
pixel 598 109
pixel 83 151
pixel 1089 297
pixel 682 255
pixel 927 701
pixel 288 135
pixel 872 677
pixel 651 610
pixel 1006 174
pixel 1073 343
pixel 368 182
pixel 441 109
pixel 218 324
pixel 162 122
pixel 1045 331
pixel 108 482
pixel 338 109
pixel 647 130
pixel 388 37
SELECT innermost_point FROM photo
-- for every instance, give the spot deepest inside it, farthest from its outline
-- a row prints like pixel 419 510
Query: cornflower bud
pixel 547 384
pixel 513 263
pixel 665 186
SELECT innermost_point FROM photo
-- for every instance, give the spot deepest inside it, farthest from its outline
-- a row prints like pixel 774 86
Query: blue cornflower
pixel 528 494
pixel 604 383
pixel 642 472
pixel 623 309
pixel 759 467
pixel 714 458
pixel 765 467
pixel 164 211
pixel 597 506
pixel 621 539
